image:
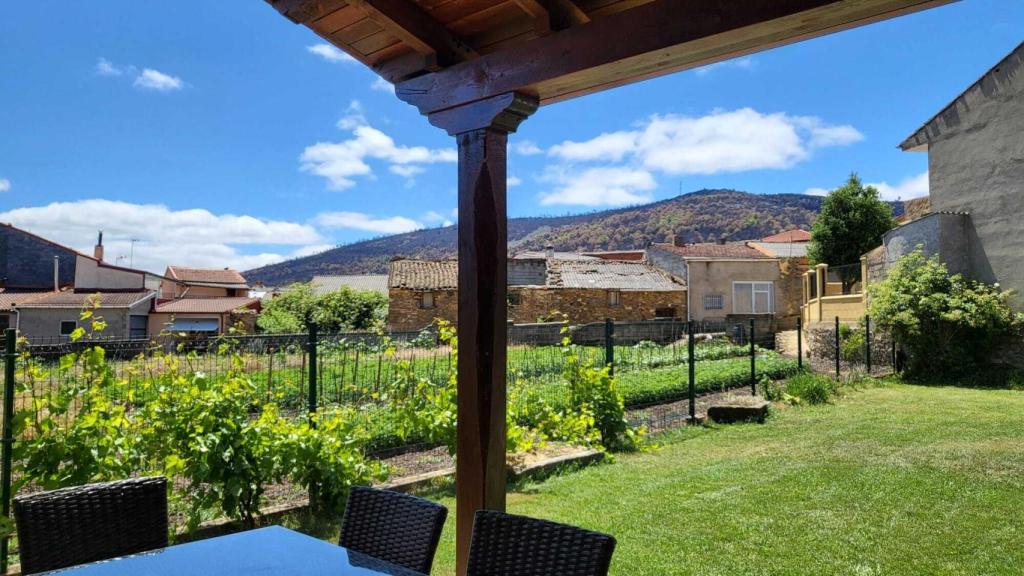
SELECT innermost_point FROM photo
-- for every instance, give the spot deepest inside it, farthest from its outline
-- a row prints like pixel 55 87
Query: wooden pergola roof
pixel 442 53
pixel 477 69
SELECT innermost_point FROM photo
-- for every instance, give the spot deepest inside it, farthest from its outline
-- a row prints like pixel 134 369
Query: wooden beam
pixel 658 38
pixel 540 15
pixel 414 26
pixel 553 15
pixel 482 130
pixel 306 11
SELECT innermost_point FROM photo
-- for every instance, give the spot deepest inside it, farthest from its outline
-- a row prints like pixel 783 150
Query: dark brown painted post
pixel 481 129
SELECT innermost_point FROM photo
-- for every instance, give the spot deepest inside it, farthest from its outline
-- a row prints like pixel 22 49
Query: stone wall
pixel 406 314
pixel 585 305
pixel 789 291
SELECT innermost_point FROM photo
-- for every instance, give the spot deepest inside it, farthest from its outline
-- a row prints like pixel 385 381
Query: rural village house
pixel 203 300
pixel 587 288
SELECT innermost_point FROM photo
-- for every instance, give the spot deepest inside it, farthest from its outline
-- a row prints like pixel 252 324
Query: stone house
pixel 586 288
pixel 726 282
pixel 419 291
pixel 976 182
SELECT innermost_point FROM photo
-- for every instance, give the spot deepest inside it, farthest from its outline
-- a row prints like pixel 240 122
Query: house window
pixel 5 322
pixel 138 327
pixel 67 327
pixel 665 312
pixel 614 297
pixel 753 298
pixel 714 301
pixel 515 298
pixel 427 300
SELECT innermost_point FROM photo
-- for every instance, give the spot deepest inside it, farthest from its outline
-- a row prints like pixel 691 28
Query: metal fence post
pixel 799 344
pixel 837 346
pixel 867 342
pixel 753 362
pixel 690 365
pixel 312 345
pixel 11 340
pixel 609 345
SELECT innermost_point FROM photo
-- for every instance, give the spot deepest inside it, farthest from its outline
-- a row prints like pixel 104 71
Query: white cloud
pixel 185 237
pixel 361 221
pixel 739 63
pixel 311 250
pixel 330 53
pixel 150 79
pixel 435 217
pixel 817 191
pixel 105 67
pixel 609 146
pixel 719 142
pixel 5 185
pixel 513 181
pixel 912 187
pixel 341 162
pixel 609 186
pixel 526 148
pixel 381 85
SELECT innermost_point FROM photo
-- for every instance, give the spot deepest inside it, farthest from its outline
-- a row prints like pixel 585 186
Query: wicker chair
pixel 398 528
pixel 507 545
pixel 89 523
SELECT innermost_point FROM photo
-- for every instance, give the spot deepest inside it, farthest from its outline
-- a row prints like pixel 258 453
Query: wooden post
pixel 481 129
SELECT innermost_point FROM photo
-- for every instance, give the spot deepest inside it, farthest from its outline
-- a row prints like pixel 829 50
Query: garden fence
pixel 851 348
pixel 667 371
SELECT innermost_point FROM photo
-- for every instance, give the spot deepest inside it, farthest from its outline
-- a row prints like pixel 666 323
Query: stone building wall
pixel 585 305
pixel 406 314
pixel 789 291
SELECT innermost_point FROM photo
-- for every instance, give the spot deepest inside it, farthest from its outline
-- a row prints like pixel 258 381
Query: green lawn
pixel 897 480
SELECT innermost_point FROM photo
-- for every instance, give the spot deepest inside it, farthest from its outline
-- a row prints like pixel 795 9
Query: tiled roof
pixel 366 282
pixel 9 299
pixel 631 255
pixel 423 274
pixel 204 305
pixel 796 235
pixel 782 249
pixel 711 250
pixel 80 300
pixel 609 275
pixel 207 275
pixel 542 255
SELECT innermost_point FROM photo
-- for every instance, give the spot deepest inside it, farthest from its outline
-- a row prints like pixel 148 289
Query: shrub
pixel 810 388
pixel 948 324
pixel 851 346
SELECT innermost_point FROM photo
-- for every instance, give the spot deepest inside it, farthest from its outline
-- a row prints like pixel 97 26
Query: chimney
pixel 56 273
pixel 678 240
pixel 97 252
pixel 549 251
pixel 722 239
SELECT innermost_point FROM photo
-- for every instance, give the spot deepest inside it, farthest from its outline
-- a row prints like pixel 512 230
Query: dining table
pixel 273 550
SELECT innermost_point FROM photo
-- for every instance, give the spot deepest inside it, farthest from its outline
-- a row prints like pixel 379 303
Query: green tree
pixel 852 221
pixel 344 309
pixel 950 325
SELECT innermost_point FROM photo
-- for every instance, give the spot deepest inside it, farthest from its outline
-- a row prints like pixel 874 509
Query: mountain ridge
pixel 700 216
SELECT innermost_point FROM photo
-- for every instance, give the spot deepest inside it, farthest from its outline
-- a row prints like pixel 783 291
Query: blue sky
pixel 220 134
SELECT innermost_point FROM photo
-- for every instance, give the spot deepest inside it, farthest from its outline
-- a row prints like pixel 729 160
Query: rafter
pixel 658 38
pixel 411 24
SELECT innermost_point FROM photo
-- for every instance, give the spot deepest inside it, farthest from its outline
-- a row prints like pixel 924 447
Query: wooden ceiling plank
pixel 356 32
pixel 538 13
pixel 376 42
pixel 306 11
pixel 657 34
pixel 414 26
pixel 337 20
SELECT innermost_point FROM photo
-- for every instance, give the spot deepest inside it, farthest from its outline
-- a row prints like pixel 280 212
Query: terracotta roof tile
pixel 80 300
pixel 711 250
pixel 9 299
pixel 796 235
pixel 207 275
pixel 204 305
pixel 423 274
pixel 362 282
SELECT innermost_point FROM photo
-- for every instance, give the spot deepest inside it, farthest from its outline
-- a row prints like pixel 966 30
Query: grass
pixel 894 480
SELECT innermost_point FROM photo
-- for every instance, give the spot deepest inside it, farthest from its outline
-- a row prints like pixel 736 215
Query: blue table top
pixel 271 551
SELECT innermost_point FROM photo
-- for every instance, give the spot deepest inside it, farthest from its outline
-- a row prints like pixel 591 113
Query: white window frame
pixel 424 305
pixel 756 287
pixel 717 301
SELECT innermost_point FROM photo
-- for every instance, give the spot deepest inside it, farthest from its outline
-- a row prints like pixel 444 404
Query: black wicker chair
pixel 89 523
pixel 398 528
pixel 507 545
